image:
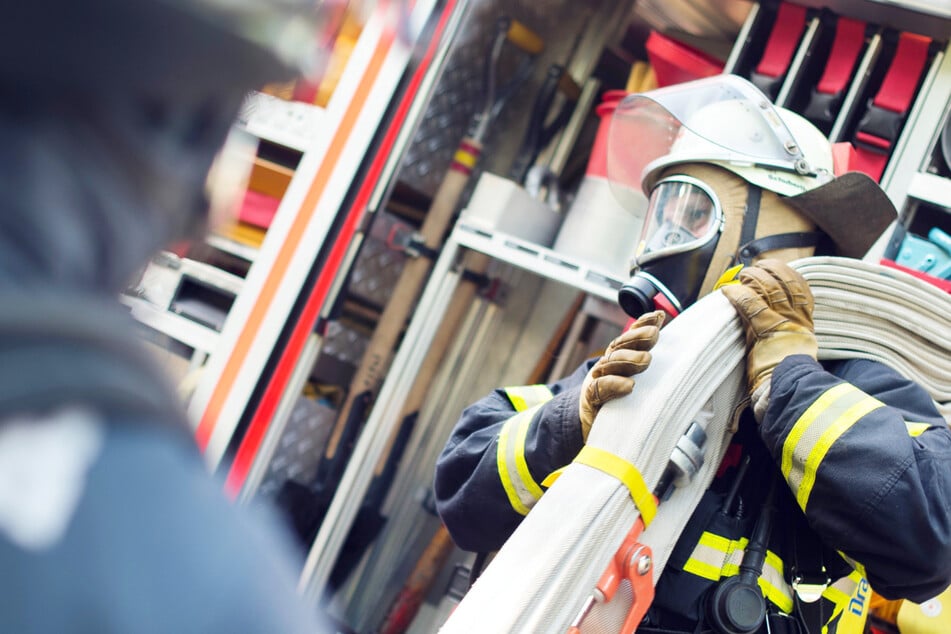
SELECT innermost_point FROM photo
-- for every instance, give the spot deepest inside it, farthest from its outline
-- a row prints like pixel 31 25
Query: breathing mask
pixel 680 235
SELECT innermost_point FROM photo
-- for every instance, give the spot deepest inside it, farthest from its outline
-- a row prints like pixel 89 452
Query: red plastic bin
pixel 675 62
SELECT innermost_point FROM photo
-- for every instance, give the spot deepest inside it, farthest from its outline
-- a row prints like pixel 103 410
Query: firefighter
pixel 112 116
pixel 737 187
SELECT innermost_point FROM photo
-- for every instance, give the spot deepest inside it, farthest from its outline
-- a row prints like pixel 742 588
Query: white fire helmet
pixel 722 120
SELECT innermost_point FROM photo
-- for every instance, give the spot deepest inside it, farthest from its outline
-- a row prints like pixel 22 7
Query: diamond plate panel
pixel 344 343
pixel 458 94
pixel 378 266
pixel 300 447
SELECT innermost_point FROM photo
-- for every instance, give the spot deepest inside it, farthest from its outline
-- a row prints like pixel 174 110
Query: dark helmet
pixel 180 49
pixel 112 114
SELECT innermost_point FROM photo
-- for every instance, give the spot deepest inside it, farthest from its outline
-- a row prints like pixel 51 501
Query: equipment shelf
pixel 931 188
pixel 386 413
pixel 293 124
pixel 180 328
pixel 233 247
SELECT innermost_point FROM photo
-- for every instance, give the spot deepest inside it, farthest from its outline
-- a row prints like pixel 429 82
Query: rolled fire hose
pixel 544 574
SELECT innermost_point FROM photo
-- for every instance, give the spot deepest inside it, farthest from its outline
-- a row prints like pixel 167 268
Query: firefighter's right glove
pixel 775 305
pixel 611 376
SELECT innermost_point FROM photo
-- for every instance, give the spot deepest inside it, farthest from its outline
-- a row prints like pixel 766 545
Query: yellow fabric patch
pixel 931 617
pixel 729 277
pixel 625 472
pixel 853 608
pixel 554 475
pixel 523 397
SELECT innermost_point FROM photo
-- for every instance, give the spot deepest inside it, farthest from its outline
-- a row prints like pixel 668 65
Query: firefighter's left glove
pixel 775 305
pixel 611 376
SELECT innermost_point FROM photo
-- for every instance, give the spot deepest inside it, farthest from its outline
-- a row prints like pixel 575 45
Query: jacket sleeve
pixel 489 473
pixel 868 458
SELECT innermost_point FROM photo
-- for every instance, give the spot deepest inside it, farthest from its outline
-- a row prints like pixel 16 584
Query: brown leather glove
pixel 610 377
pixel 775 304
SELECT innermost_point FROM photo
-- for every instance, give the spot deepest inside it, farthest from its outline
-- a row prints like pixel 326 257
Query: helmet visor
pixel 683 214
pixel 722 118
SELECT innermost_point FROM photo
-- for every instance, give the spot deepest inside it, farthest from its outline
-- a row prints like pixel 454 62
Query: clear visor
pixel 722 118
pixel 682 214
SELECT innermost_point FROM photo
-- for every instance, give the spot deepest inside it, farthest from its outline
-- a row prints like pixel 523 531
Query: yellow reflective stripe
pixel 625 472
pixel 709 556
pixel 523 397
pixel 715 557
pixel 520 488
pixel 703 569
pixel 850 598
pixel 716 541
pixel 841 591
pixel 816 431
pixel 551 477
pixel 916 429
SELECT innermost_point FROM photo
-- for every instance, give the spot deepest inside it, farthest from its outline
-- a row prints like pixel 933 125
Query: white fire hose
pixel 542 578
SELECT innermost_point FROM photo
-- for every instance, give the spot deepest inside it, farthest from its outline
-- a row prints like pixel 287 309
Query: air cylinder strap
pixel 783 38
pixel 879 128
pixel 826 98
pixel 849 38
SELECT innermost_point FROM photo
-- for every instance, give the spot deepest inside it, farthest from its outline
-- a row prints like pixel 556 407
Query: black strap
pixel 748 251
pixel 779 623
pixel 750 215
pixel 416 247
pixel 62 350
pixel 808 567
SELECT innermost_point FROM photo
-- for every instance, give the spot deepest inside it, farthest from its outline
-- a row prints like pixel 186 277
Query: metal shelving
pixel 931 188
pixel 386 413
pixel 235 248
pixel 190 333
pixel 293 124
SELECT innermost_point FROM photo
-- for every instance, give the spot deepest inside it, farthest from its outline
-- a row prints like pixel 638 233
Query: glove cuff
pixel 769 351
pixel 759 399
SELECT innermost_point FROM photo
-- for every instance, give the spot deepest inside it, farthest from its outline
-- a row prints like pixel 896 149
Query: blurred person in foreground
pixel 112 115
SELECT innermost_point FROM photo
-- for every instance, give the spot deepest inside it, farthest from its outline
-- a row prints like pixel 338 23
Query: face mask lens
pixel 681 215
